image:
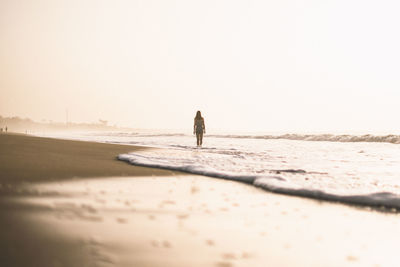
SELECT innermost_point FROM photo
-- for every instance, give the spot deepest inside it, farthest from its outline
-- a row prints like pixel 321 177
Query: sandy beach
pixel 199 133
pixel 71 203
pixel 31 159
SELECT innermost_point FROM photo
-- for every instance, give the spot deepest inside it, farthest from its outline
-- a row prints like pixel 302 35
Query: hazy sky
pixel 287 66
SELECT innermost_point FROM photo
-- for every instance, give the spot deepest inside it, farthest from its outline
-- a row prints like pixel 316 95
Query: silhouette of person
pixel 6 129
pixel 199 128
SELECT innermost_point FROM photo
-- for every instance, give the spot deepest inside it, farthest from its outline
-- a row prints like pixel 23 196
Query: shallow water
pixel 366 173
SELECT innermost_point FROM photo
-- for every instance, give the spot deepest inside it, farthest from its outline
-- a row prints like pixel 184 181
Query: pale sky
pixel 271 66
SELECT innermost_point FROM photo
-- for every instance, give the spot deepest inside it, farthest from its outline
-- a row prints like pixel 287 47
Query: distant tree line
pixel 26 125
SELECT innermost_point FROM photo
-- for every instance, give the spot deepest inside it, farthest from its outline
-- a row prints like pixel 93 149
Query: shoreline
pixel 26 158
pixel 153 217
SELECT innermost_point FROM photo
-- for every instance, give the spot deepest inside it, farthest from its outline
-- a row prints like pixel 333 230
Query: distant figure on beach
pixel 6 129
pixel 199 128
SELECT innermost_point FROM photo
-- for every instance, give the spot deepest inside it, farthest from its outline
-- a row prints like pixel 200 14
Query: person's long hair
pixel 198 115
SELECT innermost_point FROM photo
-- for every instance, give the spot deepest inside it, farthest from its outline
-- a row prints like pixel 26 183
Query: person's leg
pixel 198 139
pixel 201 138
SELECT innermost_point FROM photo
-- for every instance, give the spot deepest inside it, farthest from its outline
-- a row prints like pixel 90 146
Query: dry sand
pixel 178 220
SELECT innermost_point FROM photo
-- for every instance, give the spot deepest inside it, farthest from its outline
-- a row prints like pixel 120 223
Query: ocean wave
pixel 140 160
pixel 378 199
pixel 275 182
pixel 394 139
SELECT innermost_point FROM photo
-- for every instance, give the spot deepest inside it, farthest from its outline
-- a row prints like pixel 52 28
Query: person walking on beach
pixel 199 128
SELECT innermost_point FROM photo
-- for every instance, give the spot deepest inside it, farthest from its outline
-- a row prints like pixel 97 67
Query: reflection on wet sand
pixel 162 221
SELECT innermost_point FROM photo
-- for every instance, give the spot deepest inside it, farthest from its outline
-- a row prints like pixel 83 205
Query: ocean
pixel 362 170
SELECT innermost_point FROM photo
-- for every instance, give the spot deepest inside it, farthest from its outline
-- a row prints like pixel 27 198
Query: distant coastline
pixel 27 125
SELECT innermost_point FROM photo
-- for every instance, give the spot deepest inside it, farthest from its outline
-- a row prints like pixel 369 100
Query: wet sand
pixel 25 158
pixel 183 220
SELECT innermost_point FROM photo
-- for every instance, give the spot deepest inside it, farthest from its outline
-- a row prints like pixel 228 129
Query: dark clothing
pixel 199 125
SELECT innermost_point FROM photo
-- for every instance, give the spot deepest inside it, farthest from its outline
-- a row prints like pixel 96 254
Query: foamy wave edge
pixel 275 184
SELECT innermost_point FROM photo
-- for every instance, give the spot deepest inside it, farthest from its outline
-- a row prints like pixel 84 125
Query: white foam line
pixel 274 184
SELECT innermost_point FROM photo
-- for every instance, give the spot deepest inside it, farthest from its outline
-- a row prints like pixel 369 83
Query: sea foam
pixel 353 169
pixel 241 167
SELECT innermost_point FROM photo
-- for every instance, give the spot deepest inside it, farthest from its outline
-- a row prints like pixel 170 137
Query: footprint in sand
pixel 182 216
pixel 229 256
pixel 287 246
pixel 246 255
pixel 194 189
pixel 88 208
pixel 210 242
pixel 121 220
pixel 166 244
pixel 351 258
